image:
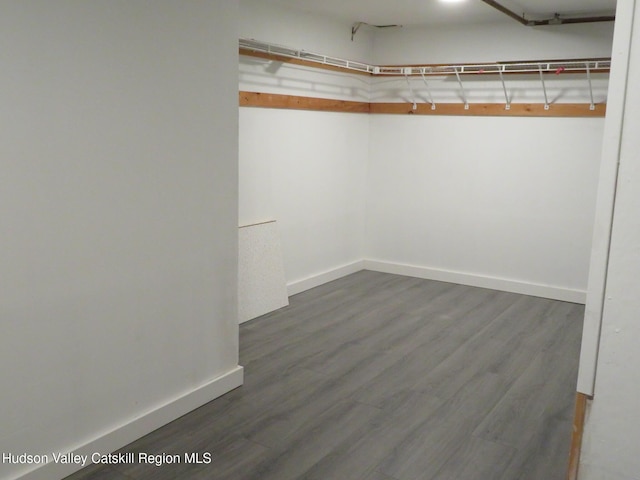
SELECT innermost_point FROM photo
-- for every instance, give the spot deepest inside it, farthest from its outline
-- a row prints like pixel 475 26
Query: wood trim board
pixel 576 437
pixel 492 109
pixel 294 102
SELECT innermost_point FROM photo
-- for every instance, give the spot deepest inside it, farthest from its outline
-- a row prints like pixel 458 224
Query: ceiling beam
pixel 506 11
pixel 556 20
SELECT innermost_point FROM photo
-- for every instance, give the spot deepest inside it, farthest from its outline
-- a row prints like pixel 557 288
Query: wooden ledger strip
pixel 272 100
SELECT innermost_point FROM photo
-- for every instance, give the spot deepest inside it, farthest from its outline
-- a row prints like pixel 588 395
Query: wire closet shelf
pixel 530 67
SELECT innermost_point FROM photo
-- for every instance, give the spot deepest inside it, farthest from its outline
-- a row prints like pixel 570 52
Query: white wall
pixel 612 430
pixel 305 169
pixel 488 43
pixel 546 168
pixel 271 23
pixel 504 41
pixel 266 76
pixel 497 202
pixel 495 198
pixel 118 200
pixel 304 31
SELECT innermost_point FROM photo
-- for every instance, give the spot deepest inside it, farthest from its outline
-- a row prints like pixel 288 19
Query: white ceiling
pixel 430 12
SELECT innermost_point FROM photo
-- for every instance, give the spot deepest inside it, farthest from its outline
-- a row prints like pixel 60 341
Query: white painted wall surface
pixel 501 198
pixel 554 179
pixel 499 202
pixel 301 30
pixel 118 199
pixel 504 41
pixel 305 169
pixel 267 76
pixel 612 430
pixel 304 31
pixel 308 171
pixel 487 43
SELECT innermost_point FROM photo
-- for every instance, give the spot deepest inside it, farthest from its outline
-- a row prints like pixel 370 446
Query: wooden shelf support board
pixel 492 109
pixel 293 102
pixel 576 437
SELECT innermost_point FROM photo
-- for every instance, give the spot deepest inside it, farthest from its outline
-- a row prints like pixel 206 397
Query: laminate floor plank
pixel 320 306
pixel 384 377
pixel 499 347
pixel 376 475
pixel 539 394
pixel 365 448
pixel 330 326
pixel 429 445
pixel 237 461
pixel 271 406
pixel 477 459
pixel 433 342
pixel 544 454
pixel 99 472
pixel 281 420
pixel 314 439
pixel 410 330
pixel 357 309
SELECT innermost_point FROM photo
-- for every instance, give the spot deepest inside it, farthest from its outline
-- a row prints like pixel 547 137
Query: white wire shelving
pixel 535 67
pixel 530 67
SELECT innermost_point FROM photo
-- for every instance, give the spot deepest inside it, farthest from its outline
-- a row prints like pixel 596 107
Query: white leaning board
pixel 262 287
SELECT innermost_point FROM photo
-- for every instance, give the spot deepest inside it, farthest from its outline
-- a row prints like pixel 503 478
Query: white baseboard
pixel 482 281
pixel 494 283
pixel 123 435
pixel 308 283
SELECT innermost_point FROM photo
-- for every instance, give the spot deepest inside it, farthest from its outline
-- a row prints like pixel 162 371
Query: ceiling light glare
pixel 452 1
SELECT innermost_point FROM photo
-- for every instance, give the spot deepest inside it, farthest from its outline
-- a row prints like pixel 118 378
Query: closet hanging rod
pixel 530 67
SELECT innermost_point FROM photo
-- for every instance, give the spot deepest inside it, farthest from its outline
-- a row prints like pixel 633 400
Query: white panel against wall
pixel 506 198
pixel 262 287
pixel 308 170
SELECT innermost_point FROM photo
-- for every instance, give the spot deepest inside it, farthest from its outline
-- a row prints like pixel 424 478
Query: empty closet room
pixel 503 201
pixel 278 239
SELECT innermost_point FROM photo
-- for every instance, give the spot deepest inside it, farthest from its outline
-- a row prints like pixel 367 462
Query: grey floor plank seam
pixel 384 377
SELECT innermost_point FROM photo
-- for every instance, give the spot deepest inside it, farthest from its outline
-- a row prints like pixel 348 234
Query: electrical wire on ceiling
pixel 356 26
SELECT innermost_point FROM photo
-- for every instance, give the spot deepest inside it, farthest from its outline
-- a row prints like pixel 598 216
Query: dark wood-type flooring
pixel 383 377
